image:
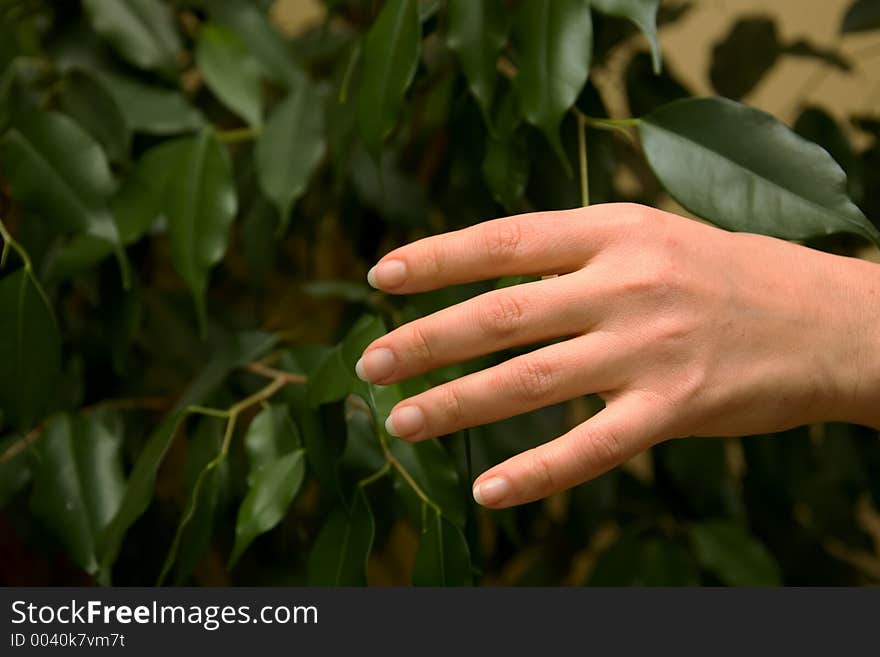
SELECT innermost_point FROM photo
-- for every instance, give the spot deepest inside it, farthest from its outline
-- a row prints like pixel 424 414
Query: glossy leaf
pixel 85 98
pixel 196 541
pixel 443 557
pixel 139 493
pixel 259 35
pixel 152 109
pixel 641 12
pixel 363 452
pixel 477 32
pixel 142 31
pixel 201 207
pixel 432 469
pixel 56 169
pixel 820 127
pixel 78 484
pixel 391 55
pixel 290 147
pixel 270 436
pixel 230 72
pixel 554 42
pixel 136 206
pixel 273 488
pixel 737 558
pixel 16 472
pixel 743 170
pixel 862 15
pixel 30 351
pixel 339 555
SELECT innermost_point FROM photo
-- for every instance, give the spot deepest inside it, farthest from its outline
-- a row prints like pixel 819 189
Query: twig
pixel 272 373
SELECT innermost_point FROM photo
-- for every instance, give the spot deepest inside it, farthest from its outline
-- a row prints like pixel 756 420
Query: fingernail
pixel 405 421
pixel 389 274
pixel 375 364
pixel 492 491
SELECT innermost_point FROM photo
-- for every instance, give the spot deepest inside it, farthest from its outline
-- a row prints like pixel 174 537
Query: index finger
pixel 528 244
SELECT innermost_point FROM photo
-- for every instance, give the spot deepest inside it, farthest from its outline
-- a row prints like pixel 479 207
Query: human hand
pixel 683 329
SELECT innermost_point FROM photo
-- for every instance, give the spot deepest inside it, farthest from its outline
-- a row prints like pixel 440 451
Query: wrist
pixel 857 354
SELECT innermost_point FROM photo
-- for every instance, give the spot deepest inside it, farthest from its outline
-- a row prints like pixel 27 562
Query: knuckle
pixel 450 404
pixel 502 239
pixel 603 447
pixel 532 379
pixel 501 315
pixel 419 342
pixel 540 471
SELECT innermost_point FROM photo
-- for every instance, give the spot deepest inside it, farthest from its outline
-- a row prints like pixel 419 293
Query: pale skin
pixel 683 330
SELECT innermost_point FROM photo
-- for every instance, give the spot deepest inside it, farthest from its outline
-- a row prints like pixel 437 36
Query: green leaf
pixel 142 31
pixel 84 97
pixel 236 350
pixel 290 147
pixel 331 380
pixel 196 541
pixel 736 557
pixel 270 436
pixel 16 472
pixel 141 485
pixel 339 555
pixel 137 205
pixel 861 16
pixel 743 170
pixel 820 127
pixel 363 452
pixel 433 470
pixel 554 44
pixel 443 557
pixel 391 55
pixel 201 207
pixel 152 109
pixel 78 484
pixel 56 169
pixel 272 490
pixel 643 13
pixel 252 25
pixel 477 32
pixel 231 72
pixel 506 168
pixel 30 351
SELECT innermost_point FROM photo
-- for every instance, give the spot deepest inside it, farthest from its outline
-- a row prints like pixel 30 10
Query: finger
pixel 627 426
pixel 529 244
pixel 545 376
pixel 513 316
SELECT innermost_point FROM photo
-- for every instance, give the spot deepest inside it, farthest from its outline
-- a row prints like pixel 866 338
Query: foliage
pixel 190 202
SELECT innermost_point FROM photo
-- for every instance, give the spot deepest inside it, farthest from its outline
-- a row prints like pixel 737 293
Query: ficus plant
pixel 190 202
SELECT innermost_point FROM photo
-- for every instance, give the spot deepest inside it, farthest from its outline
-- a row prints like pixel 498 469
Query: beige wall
pixel 687 45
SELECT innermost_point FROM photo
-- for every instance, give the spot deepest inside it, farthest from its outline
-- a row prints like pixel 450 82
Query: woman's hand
pixel 683 329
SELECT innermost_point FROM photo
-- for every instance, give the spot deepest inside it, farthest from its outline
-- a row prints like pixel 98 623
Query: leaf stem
pixel 265 371
pixel 582 159
pixel 10 243
pixel 237 135
pixel 376 476
pixel 279 380
pixel 408 478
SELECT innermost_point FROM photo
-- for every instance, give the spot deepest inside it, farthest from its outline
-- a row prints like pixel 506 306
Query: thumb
pixel 624 428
